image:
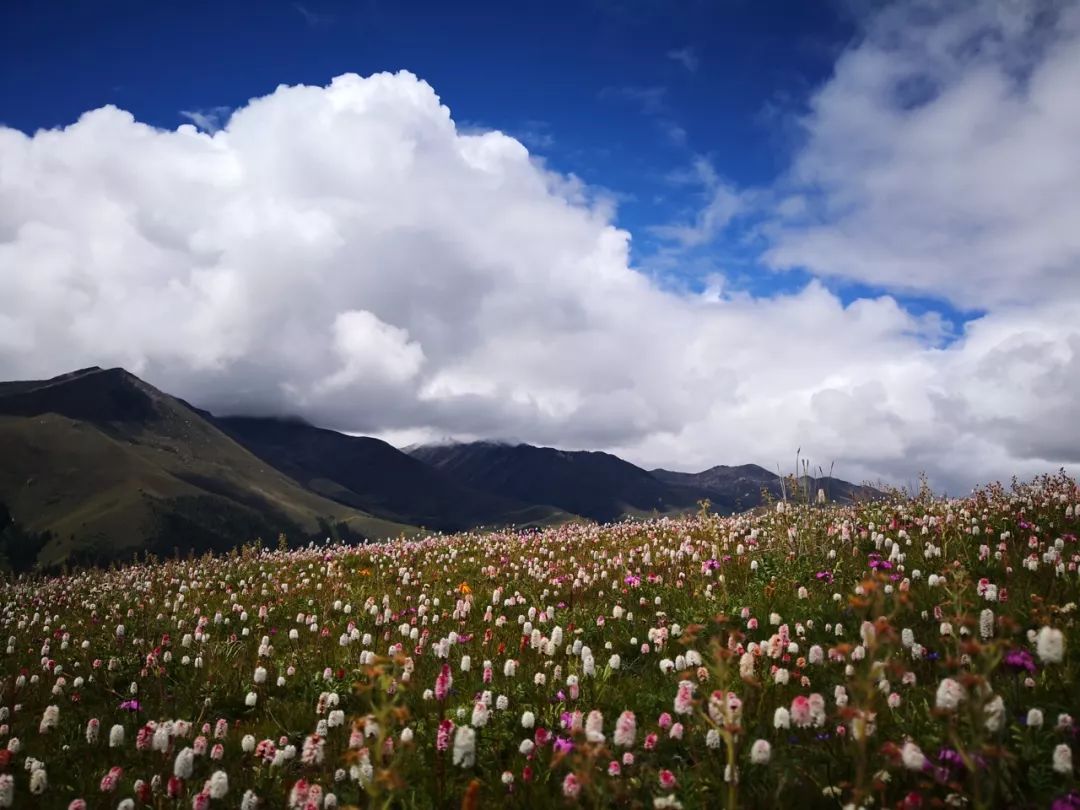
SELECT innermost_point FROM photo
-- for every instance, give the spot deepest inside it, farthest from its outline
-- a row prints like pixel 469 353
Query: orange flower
pixel 464 588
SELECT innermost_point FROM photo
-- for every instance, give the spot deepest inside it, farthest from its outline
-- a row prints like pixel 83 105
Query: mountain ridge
pixel 99 464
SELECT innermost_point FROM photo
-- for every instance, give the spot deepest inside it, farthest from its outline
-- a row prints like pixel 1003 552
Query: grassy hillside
pixel 109 465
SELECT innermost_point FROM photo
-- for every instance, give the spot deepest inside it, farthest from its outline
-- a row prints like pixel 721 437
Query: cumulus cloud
pixel 941 156
pixel 345 253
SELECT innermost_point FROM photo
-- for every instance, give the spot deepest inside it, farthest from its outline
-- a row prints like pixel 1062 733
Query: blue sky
pixel 625 94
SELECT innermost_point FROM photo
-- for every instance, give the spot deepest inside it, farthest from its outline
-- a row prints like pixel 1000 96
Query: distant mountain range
pixel 97 465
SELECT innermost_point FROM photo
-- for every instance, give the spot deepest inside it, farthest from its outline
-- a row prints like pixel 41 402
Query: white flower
pixel 49 719
pixel 760 752
pixel 116 736
pixel 528 719
pixel 912 756
pixel 1050 645
pixel 1035 718
pixel 1063 759
pixel 184 764
pixel 38 781
pixel 781 718
pixel 260 674
pixel 464 747
pixel 995 713
pixel 218 785
pixel 950 693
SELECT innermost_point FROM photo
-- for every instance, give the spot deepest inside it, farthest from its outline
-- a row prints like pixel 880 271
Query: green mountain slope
pixel 106 464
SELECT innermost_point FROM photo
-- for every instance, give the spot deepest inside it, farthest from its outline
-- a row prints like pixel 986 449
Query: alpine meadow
pixel 398 402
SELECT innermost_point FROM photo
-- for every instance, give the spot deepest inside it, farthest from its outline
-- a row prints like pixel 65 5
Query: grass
pixel 911 652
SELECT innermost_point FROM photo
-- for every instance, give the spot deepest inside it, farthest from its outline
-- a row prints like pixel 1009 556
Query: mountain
pixel 595 485
pixel 98 464
pixel 739 488
pixel 376 477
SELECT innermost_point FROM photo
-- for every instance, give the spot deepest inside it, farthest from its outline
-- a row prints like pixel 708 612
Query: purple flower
pixel 1019 659
pixel 824 576
pixel 562 745
pixel 131 705
pixel 1070 801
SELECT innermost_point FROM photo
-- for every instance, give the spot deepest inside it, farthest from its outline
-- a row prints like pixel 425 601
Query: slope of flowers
pixel 911 653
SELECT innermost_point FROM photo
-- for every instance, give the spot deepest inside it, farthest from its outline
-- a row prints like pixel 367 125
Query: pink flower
pixel 443 683
pixel 667 779
pixel 684 700
pixel 665 721
pixel 625 730
pixel 571 787
pixel 650 741
pixel 442 736
pixel 800 712
pixel 110 780
pixel 614 768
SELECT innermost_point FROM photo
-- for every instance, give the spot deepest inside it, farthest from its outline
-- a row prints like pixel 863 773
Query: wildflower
pixel 1019 660
pixel 625 730
pixel 184 764
pixel 111 780
pixel 1062 759
pixel 464 747
pixel 950 694
pixel 571 786
pixel 594 727
pixel 994 712
pixel 1050 645
pixel 480 714
pixel 528 719
pixel 760 752
pixel 912 756
pixel 666 779
pixel 312 753
pixel 800 712
pixel 38 781
pixel 443 683
pixel 49 719
pixel 684 699
pixel 1035 718
pixel 781 718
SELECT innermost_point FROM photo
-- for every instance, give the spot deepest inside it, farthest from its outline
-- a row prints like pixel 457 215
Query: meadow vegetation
pixel 908 652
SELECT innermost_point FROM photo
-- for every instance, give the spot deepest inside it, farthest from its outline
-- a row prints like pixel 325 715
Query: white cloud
pixel 345 253
pixel 941 156
pixel 687 57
